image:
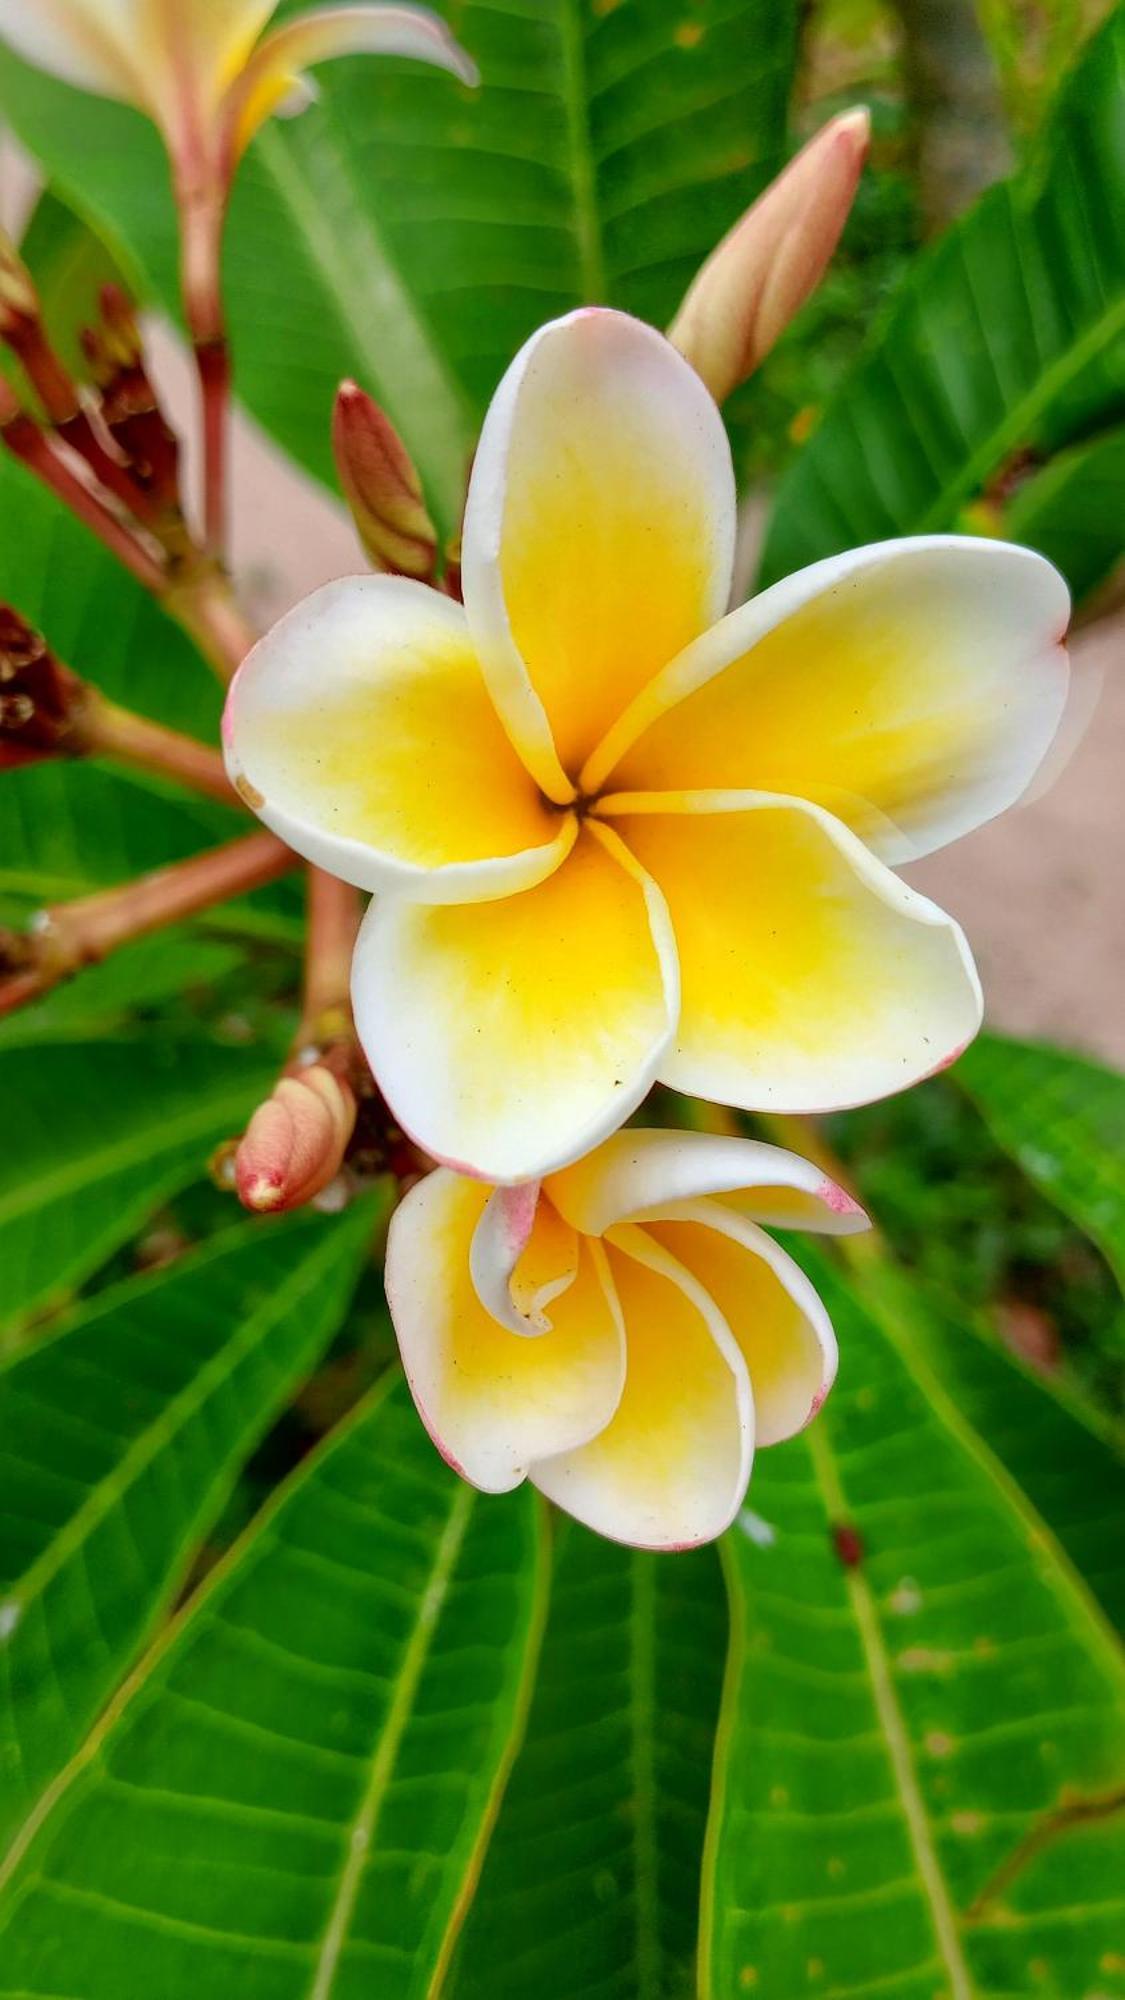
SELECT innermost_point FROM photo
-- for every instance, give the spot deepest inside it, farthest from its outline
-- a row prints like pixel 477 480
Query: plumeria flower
pixel 208 75
pixel 616 836
pixel 622 1334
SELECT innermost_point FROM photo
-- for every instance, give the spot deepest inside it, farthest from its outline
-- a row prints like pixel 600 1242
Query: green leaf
pixel 124 1433
pixel 174 965
pixel 1065 1455
pixel 921 1761
pixel 591 1884
pixel 289 1800
pixel 107 1131
pixel 1062 1119
pixel 69 264
pixel 412 233
pixel 1009 333
pixel 1072 511
pixel 94 616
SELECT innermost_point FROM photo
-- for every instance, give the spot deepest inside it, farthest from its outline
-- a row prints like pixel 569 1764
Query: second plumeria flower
pixel 623 1334
pixel 615 835
pixel 208 75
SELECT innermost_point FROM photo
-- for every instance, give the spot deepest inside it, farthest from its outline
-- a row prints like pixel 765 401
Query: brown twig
pixel 333 922
pixel 69 936
pixel 23 437
pixel 110 731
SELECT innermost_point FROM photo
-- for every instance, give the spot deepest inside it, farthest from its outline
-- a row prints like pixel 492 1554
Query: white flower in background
pixel 207 74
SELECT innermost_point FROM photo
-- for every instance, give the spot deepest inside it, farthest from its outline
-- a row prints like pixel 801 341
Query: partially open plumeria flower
pixel 208 75
pixel 614 840
pixel 623 1334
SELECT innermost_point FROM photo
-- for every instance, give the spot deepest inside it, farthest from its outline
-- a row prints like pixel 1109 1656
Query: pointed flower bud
pixel 765 268
pixel 294 1144
pixel 382 487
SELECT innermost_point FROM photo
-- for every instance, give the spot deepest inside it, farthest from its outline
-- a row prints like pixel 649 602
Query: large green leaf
pixel 290 1799
pixel 591 1885
pixel 412 234
pixel 169 967
pixel 122 1436
pixel 1072 511
pixel 1066 1456
pixel 1062 1118
pixel 69 264
pixel 922 1753
pixel 95 617
pixel 1010 333
pixel 66 829
pixel 106 1131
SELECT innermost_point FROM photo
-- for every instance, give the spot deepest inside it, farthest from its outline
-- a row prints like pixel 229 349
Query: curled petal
pixel 523 1255
pixel 510 1037
pixel 268 78
pixel 294 1144
pixel 671 1467
pixel 767 265
pixel 599 531
pixel 771 1308
pixel 640 1172
pixel 361 731
pixel 911 688
pixel 493 1402
pixel 812 978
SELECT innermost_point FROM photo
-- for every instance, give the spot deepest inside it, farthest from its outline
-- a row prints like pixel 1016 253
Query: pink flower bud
pixel 382 487
pixel 295 1142
pixel 764 269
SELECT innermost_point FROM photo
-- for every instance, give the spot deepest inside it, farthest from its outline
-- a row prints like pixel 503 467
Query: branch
pixel 110 731
pixel 69 936
pixel 23 437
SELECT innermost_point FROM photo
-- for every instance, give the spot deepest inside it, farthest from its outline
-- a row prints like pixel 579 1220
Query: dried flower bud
pixel 129 407
pixel 295 1142
pixel 42 704
pixel 382 487
pixel 764 269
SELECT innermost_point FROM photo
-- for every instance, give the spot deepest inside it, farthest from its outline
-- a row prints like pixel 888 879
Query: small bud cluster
pixel 41 702
pixel 128 404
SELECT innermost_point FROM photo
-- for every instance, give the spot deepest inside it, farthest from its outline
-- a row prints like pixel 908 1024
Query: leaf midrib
pixel 580 149
pixel 1020 419
pixel 362 1830
pixel 896 1737
pixel 440 427
pixel 642 1720
pixel 172 1418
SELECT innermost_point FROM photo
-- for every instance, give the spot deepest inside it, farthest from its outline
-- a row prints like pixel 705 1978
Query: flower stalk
pixel 46 710
pixel 67 937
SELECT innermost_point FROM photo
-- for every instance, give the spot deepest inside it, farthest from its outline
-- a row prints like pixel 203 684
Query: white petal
pixel 509 1037
pixel 671 1467
pixel 638 1172
pixel 599 532
pixel 911 688
pixel 361 731
pixel 772 1309
pixel 491 1400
